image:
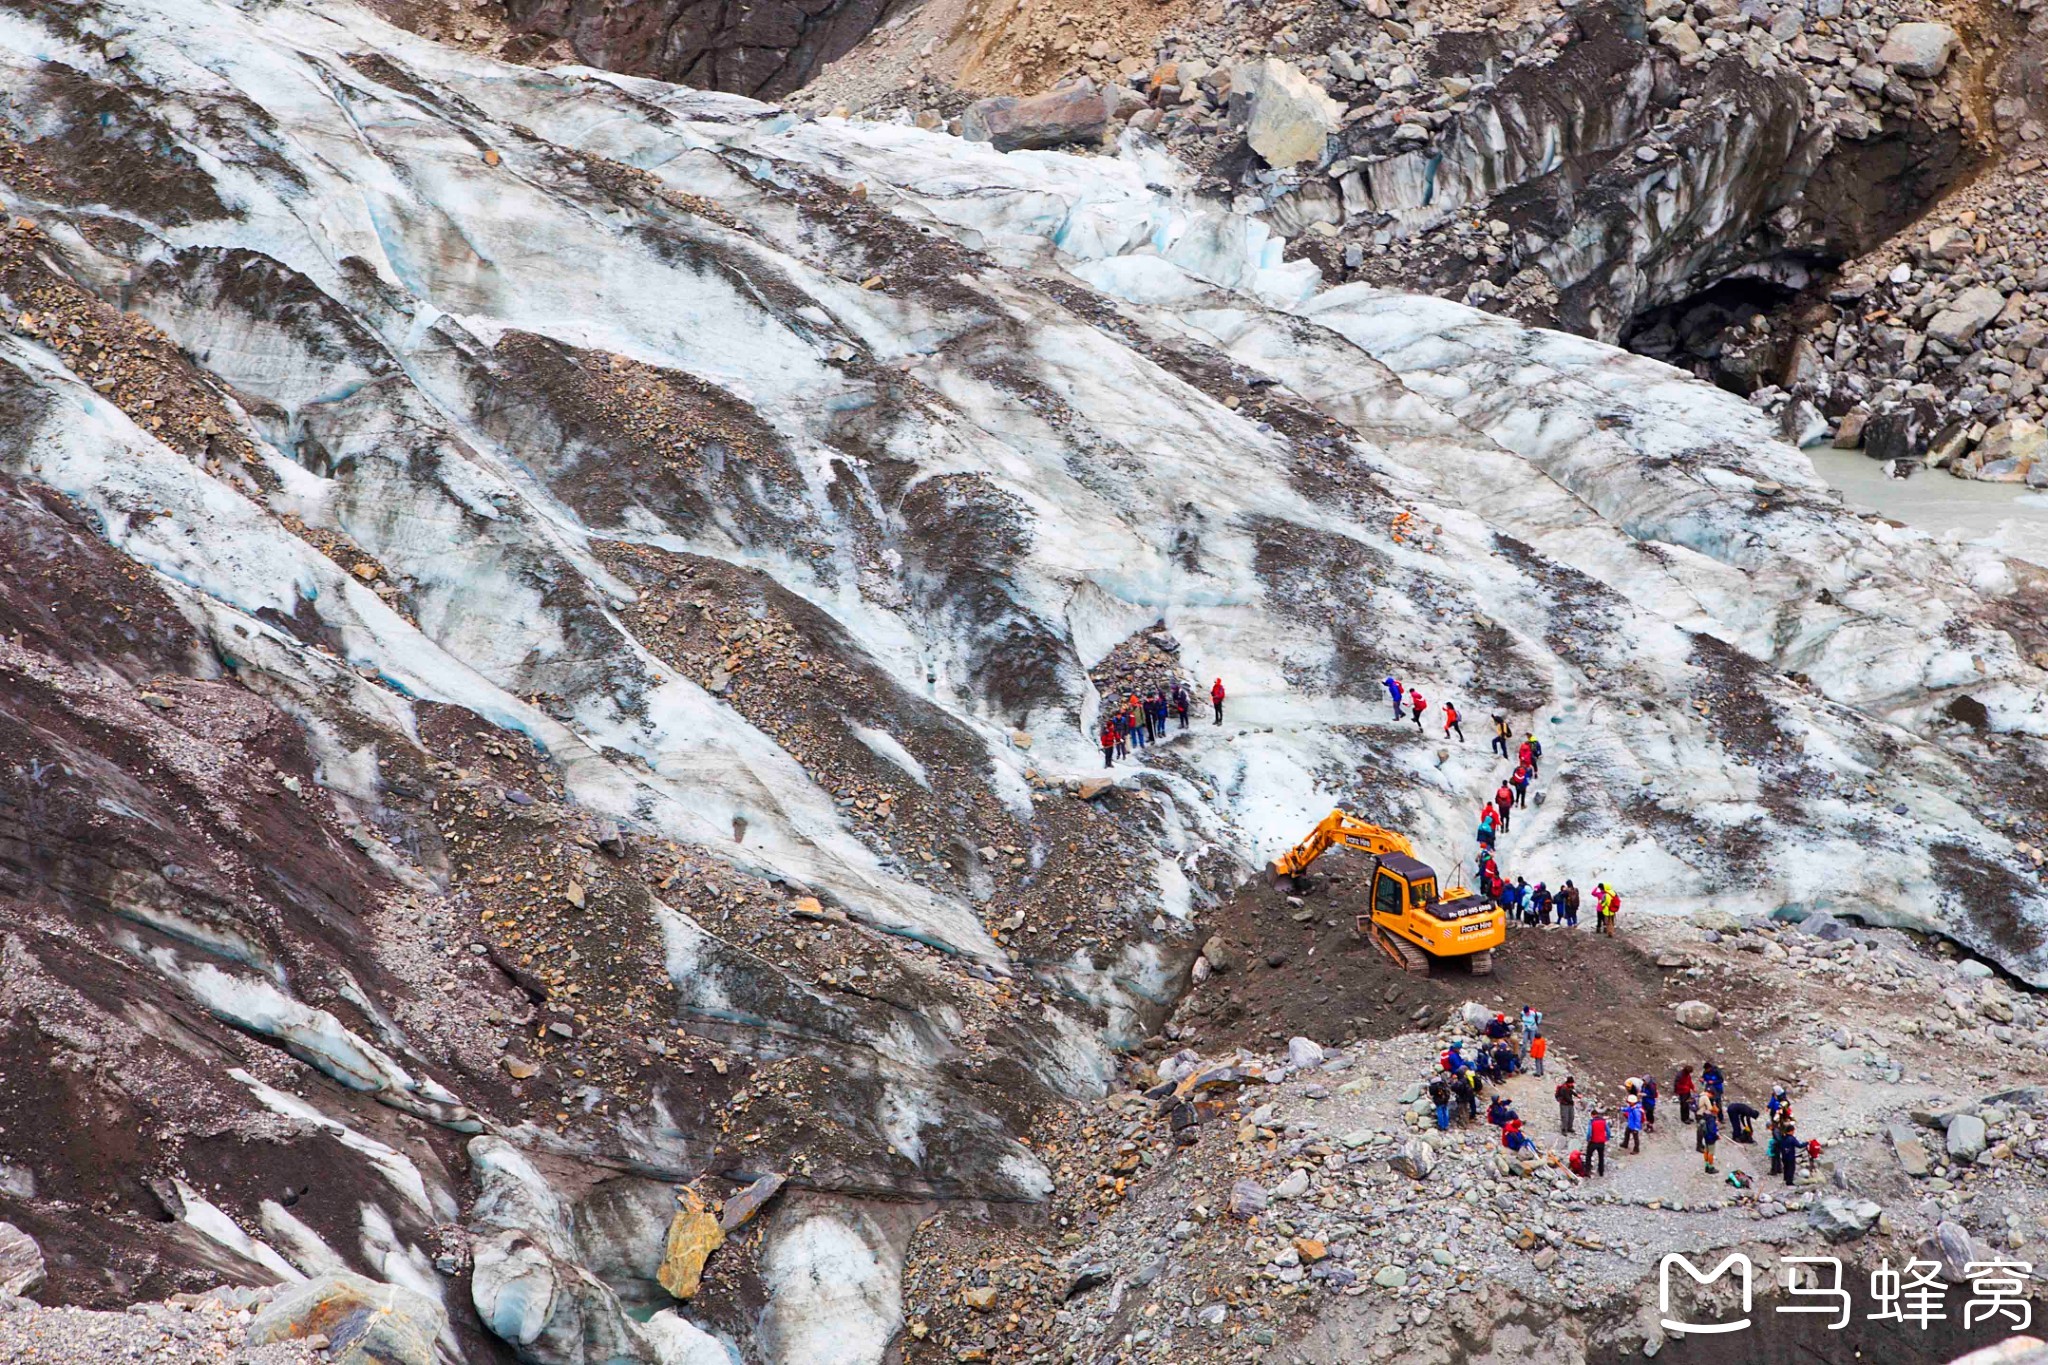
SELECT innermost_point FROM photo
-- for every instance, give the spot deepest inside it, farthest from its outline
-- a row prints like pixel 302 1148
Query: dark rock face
pixel 763 50
pixel 1627 209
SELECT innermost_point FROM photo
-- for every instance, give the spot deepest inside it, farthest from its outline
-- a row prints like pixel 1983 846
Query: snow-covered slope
pixel 782 480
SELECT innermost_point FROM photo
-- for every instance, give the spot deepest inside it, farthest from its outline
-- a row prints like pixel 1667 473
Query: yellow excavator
pixel 1409 921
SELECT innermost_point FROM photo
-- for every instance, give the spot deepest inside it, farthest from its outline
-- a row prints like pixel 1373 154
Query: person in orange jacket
pixel 1216 696
pixel 1538 1048
pixel 1451 722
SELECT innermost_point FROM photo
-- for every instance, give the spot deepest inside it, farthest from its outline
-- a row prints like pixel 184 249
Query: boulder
pixel 1416 1159
pixel 739 1209
pixel 1844 1220
pixel 1966 1138
pixel 1822 925
pixel 1222 957
pixel 693 1234
pixel 1902 431
pixel 1952 1246
pixel 21 1262
pixel 1293 1185
pixel 1303 1053
pixel 1696 1014
pixel 1849 431
pixel 1092 788
pixel 1949 243
pixel 1966 315
pixel 1683 39
pixel 1291 116
pixel 1801 424
pixel 1910 1150
pixel 1074 114
pixel 2023 442
pixel 1918 50
pixel 364 1322
pixel 1247 1200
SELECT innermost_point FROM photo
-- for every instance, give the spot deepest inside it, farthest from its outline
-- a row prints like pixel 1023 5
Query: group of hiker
pixel 1145 719
pixel 1504 1050
pixel 1508 1047
pixel 1538 904
pixel 1703 1105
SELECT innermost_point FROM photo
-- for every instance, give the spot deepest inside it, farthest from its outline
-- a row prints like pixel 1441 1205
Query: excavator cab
pixel 1397 889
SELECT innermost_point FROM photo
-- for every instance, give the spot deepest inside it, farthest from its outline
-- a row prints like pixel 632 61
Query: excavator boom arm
pixel 1339 827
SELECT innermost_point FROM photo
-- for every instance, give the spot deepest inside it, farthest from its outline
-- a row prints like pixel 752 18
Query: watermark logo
pixel 1736 1259
pixel 1915 1296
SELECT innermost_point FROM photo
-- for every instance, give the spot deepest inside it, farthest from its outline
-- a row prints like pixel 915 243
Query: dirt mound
pixel 1304 969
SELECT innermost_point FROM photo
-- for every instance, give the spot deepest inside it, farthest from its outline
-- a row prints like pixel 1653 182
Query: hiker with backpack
pixel 1632 1127
pixel 1466 1096
pixel 1596 1141
pixel 1785 1154
pixel 1501 731
pixel 1567 1096
pixel 1710 1133
pixel 1452 722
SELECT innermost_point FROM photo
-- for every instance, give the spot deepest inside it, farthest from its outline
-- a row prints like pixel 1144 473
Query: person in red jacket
pixel 1216 696
pixel 1451 722
pixel 1415 700
pixel 1504 801
pixel 1683 1087
pixel 1108 741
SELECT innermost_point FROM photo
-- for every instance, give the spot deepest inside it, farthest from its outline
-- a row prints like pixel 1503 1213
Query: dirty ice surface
pixel 1158 415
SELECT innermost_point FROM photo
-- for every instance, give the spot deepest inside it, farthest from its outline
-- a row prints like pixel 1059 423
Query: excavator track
pixel 1401 952
pixel 1481 963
